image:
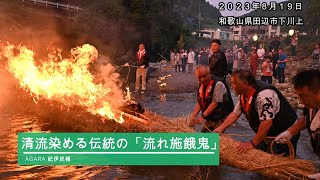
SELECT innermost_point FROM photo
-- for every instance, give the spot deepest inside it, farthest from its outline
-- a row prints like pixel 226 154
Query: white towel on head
pixel 315 124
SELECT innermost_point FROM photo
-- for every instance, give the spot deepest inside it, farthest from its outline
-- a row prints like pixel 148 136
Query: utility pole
pixel 199 16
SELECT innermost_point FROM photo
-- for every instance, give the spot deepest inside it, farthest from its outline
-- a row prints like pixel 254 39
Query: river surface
pixel 15 118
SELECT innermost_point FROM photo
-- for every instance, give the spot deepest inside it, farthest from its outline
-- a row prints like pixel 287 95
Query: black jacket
pixel 144 60
pixel 223 109
pixel 284 119
pixel 218 64
pixel 315 136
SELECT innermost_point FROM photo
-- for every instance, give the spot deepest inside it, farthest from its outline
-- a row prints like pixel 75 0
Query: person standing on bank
pixel 184 57
pixel 254 62
pixel 281 66
pixel 142 61
pixel 217 61
pixel 266 109
pixel 267 70
pixel 294 43
pixel 213 100
pixel 190 61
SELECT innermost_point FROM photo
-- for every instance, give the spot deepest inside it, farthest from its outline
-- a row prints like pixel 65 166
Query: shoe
pixel 136 90
pixel 142 92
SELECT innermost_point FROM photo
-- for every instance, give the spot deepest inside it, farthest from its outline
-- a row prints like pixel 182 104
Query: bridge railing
pixel 56 4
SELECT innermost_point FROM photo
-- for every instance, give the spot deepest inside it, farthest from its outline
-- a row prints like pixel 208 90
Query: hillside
pixel 114 27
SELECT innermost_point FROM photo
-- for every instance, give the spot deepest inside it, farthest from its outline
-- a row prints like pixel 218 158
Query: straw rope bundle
pixel 253 160
pixel 77 120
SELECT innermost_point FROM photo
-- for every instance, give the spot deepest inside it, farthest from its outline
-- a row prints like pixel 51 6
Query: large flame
pixel 68 80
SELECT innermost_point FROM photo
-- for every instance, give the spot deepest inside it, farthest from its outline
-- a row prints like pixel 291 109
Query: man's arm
pixel 267 105
pixel 146 59
pixel 293 130
pixel 232 117
pixel 224 65
pixel 298 126
pixel 210 109
pixel 217 97
pixel 196 110
pixel 261 134
pixel 194 113
pixel 262 131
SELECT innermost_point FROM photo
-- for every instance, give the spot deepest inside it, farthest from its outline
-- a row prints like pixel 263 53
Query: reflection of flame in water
pixel 67 81
pixel 161 79
pixel 163 97
pixel 128 95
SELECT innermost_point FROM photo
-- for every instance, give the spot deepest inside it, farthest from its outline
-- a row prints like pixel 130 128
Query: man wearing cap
pixel 217 61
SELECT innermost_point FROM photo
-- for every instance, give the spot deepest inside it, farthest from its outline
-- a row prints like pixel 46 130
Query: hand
pixel 142 66
pixel 283 137
pixel 192 122
pixel 314 176
pixel 278 61
pixel 199 120
pixel 126 64
pixel 243 147
pixel 218 130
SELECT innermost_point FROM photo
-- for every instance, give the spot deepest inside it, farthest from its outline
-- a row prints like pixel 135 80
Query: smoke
pixel 106 74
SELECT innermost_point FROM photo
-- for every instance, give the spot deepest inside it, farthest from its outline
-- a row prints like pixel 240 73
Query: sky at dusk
pixel 234 12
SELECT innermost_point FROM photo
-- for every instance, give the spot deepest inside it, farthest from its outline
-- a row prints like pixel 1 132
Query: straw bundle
pixel 253 160
pixel 75 119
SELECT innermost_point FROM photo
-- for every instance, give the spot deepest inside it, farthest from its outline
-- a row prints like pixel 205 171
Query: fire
pixel 67 81
pixel 162 78
pixel 163 85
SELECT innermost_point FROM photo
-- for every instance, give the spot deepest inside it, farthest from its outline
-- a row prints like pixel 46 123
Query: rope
pixel 125 82
pixel 128 66
pixel 290 146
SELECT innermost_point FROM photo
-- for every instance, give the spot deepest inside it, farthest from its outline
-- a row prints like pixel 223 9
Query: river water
pixel 15 117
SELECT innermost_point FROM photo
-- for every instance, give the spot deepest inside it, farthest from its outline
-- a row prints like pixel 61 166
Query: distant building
pixel 222 34
pixel 240 32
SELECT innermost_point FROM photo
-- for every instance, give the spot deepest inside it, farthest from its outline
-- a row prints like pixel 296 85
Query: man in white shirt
pixel 261 52
pixel 190 60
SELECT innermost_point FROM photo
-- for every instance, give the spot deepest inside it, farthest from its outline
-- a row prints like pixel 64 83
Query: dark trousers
pixel 279 148
pixel 293 50
pixel 177 68
pixel 184 64
pixel 267 79
pixel 281 75
pixel 275 71
pixel 230 68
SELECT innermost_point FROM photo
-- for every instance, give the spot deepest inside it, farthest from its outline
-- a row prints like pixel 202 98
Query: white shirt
pixel 218 92
pixel 190 57
pixel 261 53
pixel 315 123
pixel 267 104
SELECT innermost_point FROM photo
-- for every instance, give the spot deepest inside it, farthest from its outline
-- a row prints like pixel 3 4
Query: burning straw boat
pixel 67 99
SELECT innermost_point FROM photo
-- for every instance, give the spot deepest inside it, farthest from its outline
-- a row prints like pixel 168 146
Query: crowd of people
pixel 270 63
pixel 268 112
